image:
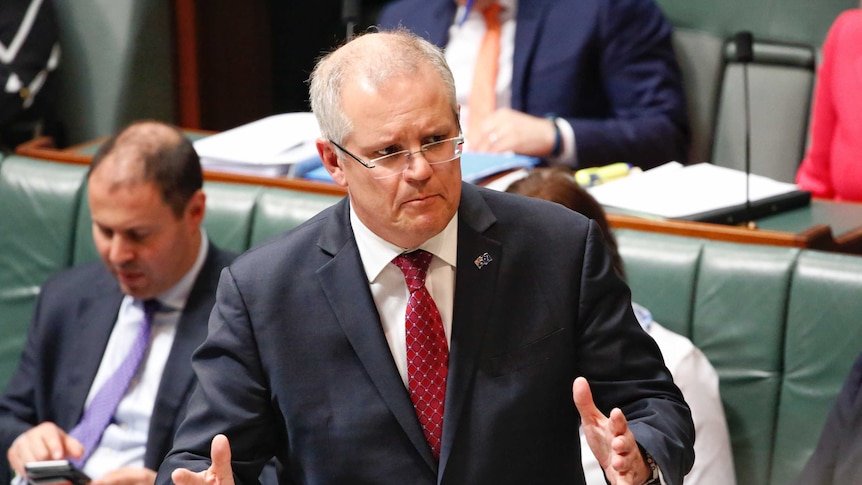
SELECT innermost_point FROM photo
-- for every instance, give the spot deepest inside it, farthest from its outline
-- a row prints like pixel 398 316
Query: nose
pixel 119 250
pixel 418 167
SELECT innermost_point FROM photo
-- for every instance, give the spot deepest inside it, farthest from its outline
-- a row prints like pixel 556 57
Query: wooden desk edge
pixel 43 148
pixel 819 235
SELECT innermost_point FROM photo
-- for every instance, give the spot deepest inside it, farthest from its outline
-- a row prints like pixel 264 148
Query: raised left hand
pixel 610 439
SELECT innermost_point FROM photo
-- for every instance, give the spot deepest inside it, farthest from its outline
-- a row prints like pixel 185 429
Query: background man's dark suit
pixel 74 317
pixel 296 362
pixel 606 66
pixel 838 456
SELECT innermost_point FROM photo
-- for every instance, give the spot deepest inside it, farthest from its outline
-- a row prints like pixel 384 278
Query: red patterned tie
pixel 427 351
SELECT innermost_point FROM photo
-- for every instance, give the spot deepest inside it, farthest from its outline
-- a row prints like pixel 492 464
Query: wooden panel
pixel 224 62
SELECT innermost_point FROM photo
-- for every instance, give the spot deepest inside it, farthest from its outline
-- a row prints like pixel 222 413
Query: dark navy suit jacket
pixel 606 66
pixel 74 317
pixel 296 363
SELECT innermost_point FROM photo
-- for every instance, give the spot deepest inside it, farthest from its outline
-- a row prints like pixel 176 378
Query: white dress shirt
pixel 389 289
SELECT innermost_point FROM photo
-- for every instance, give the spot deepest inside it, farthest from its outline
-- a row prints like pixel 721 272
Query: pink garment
pixel 833 165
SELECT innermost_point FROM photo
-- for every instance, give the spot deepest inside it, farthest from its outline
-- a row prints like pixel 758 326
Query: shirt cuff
pixel 568 155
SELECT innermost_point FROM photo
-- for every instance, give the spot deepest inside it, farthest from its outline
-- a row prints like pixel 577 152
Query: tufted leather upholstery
pixel 780 325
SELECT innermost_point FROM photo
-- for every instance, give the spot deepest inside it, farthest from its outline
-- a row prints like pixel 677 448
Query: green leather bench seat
pixel 38 207
pixel 780 325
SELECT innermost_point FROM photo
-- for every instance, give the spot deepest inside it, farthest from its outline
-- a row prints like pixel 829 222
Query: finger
pixel 181 476
pixel 73 447
pixel 51 442
pixel 43 442
pixel 127 476
pixel 619 425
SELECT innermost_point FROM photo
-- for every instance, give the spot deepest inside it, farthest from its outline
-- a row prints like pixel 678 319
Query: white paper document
pixel 278 145
pixel 673 190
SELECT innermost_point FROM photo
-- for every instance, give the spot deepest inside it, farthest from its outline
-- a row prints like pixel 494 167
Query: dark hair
pixel 169 159
pixel 558 185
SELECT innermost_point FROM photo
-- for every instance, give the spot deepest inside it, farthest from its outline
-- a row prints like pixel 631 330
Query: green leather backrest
pixel 84 250
pixel 230 209
pixel 778 324
pixel 662 273
pixel 740 309
pixel 278 210
pixel 39 204
pixel 823 337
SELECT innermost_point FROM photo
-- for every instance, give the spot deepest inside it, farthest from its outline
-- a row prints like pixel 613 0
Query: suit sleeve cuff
pixel 568 154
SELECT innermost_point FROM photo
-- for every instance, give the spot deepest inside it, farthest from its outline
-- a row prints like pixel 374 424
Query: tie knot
pixel 491 13
pixel 151 306
pixel 414 265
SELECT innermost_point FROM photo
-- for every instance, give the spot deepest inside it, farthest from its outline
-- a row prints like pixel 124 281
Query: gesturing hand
pixel 610 439
pixel 219 473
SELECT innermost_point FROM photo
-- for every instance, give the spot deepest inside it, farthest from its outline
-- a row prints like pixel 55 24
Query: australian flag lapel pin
pixel 483 260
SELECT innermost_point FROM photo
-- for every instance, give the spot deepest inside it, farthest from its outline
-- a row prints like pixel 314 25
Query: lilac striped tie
pixel 104 404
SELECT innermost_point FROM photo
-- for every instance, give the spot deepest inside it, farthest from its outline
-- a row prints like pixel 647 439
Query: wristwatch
pixel 650 461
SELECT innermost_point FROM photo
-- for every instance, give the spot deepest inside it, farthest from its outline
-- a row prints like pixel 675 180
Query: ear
pixel 331 161
pixel 196 208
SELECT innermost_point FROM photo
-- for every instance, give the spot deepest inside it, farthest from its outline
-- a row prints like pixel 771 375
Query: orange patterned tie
pixel 427 350
pixel 483 93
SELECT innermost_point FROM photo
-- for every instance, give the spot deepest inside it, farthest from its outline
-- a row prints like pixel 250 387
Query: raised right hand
pixel 219 473
pixel 43 442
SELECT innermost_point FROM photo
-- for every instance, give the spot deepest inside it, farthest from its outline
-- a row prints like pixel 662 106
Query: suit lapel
pixel 479 259
pixel 356 313
pixel 94 318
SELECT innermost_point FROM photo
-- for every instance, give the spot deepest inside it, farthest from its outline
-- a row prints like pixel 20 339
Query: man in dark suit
pixel 144 192
pixel 603 70
pixel 838 456
pixel 326 350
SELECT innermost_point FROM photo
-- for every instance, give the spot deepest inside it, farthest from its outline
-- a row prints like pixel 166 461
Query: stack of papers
pixel 279 145
pixel 700 192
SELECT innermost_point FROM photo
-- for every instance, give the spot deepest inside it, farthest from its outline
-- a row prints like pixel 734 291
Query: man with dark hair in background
pixel 105 375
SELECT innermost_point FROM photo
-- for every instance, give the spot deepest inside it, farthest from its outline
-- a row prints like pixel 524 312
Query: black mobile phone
pixel 54 472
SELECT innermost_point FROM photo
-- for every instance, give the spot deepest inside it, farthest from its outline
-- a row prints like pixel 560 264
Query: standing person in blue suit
pixel 145 195
pixel 603 71
pixel 314 353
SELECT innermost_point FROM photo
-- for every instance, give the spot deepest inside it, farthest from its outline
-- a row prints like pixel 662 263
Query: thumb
pixel 220 453
pixel 583 397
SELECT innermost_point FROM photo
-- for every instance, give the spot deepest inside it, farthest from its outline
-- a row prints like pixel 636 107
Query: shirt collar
pixel 376 252
pixel 174 299
pixel 509 8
